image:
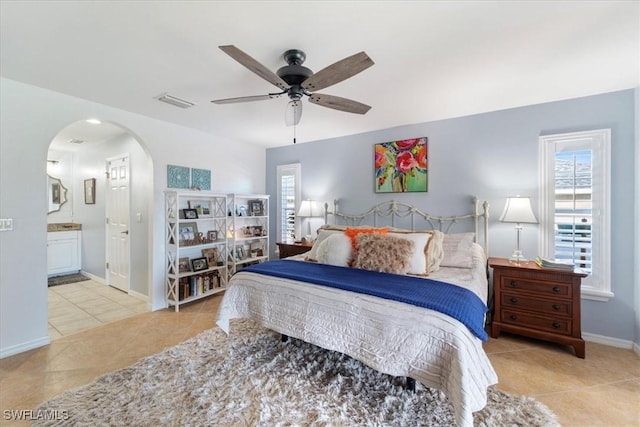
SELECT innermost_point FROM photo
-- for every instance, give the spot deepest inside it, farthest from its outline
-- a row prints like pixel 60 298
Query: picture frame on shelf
pixel 239 254
pixel 188 231
pixel 212 235
pixel 90 191
pixel 184 265
pixel 190 213
pixel 256 207
pixel 202 207
pixel 199 264
pixel 212 256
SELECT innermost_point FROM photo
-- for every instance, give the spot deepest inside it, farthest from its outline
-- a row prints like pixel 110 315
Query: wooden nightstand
pixel 536 302
pixel 291 249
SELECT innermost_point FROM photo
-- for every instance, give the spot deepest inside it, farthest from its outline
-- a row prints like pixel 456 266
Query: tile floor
pixel 76 307
pixel 601 390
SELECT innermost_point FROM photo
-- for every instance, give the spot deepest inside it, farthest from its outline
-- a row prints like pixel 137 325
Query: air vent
pixel 75 141
pixel 170 99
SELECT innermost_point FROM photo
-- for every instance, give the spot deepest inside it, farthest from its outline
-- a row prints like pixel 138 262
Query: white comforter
pixel 392 337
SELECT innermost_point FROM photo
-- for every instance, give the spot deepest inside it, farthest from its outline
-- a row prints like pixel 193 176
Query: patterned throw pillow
pixel 378 252
pixel 457 250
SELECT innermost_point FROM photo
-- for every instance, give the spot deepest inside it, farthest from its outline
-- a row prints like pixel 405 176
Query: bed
pixel 394 335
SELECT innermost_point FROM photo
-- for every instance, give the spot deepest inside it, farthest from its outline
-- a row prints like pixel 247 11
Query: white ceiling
pixel 433 59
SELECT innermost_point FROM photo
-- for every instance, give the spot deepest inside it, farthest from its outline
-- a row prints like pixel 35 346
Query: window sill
pixel 596 294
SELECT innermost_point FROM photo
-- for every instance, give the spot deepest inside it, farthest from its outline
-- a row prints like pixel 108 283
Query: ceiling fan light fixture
pixel 293 112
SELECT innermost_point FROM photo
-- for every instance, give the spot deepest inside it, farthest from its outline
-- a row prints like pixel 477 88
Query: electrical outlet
pixel 6 224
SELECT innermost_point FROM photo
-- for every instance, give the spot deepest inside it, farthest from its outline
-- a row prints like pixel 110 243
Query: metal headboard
pixel 395 210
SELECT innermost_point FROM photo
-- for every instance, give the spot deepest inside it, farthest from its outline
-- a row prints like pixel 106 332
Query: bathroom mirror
pixel 56 194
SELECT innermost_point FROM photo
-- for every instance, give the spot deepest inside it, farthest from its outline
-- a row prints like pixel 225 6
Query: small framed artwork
pixel 211 254
pixel 240 253
pixel 212 235
pixel 184 265
pixel 190 213
pixel 188 231
pixel 90 191
pixel 199 264
pixel 256 207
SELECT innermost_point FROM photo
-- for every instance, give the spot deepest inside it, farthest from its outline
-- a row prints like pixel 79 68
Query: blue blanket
pixel 452 300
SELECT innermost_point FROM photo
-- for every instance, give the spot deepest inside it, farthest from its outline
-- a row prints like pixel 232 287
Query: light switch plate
pixel 6 224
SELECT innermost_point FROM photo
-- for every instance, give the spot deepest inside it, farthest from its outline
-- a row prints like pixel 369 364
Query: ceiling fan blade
pixel 293 113
pixel 338 72
pixel 338 103
pixel 246 98
pixel 254 66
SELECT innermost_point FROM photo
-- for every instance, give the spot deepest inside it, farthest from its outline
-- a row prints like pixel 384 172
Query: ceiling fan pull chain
pixel 294 134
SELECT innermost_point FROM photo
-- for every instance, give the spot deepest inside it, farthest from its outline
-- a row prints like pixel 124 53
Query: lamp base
pixel 517 257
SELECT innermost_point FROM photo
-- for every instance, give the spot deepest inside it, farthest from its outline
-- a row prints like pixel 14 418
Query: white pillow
pixel 336 249
pixel 457 250
pixel 435 251
pixel 312 255
pixel 418 263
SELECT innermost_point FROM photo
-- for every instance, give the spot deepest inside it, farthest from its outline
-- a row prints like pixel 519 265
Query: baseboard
pixel 30 345
pixel 94 277
pixel 636 348
pixel 610 341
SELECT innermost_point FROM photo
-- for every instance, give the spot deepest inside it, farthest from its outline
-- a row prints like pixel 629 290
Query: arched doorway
pixel 80 157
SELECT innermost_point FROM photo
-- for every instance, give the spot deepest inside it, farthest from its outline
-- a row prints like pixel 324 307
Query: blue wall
pixel 491 155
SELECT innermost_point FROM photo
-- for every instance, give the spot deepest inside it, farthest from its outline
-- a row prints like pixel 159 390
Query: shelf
pixel 197 297
pixel 248 260
pixel 178 251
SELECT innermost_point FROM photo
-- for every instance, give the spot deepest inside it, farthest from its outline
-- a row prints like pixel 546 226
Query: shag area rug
pixel 251 378
pixel 66 279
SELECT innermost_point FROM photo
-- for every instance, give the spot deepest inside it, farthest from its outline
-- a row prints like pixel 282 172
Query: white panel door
pixel 117 208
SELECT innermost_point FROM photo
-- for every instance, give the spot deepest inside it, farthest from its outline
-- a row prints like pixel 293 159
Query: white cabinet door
pixel 63 252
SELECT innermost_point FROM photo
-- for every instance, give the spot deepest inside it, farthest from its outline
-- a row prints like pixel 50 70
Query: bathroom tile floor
pixel 76 307
pixel 601 390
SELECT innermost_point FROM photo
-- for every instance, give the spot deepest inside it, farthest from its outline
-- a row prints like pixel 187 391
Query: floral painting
pixel 401 166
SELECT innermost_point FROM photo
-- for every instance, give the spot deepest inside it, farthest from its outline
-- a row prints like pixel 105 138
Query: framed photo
pixel 256 207
pixel 212 235
pixel 190 213
pixel 90 191
pixel 199 264
pixel 202 207
pixel 240 253
pixel 401 166
pixel 184 265
pixel 212 256
pixel 188 231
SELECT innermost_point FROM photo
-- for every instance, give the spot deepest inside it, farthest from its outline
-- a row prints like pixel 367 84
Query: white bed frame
pixel 395 210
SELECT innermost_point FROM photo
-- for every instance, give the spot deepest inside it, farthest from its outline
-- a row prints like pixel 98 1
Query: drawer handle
pixel 513 284
pixel 513 317
pixel 555 325
pixel 556 289
pixel 513 300
pixel 556 307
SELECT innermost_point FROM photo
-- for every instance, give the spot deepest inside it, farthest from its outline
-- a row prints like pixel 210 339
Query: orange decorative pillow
pixel 353 233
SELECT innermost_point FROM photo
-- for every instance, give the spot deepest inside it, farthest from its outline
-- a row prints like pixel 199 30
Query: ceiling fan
pixel 297 81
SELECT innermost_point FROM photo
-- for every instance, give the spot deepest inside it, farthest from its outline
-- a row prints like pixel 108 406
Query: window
pixel 288 180
pixel 575 205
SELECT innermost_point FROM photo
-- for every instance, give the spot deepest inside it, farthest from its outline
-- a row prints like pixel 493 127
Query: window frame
pixel 294 169
pixel 597 286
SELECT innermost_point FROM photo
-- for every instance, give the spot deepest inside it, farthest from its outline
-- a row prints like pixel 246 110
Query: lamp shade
pixel 518 209
pixel 309 209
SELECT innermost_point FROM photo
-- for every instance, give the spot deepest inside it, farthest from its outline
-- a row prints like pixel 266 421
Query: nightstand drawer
pixel 559 307
pixel 555 325
pixel 555 289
